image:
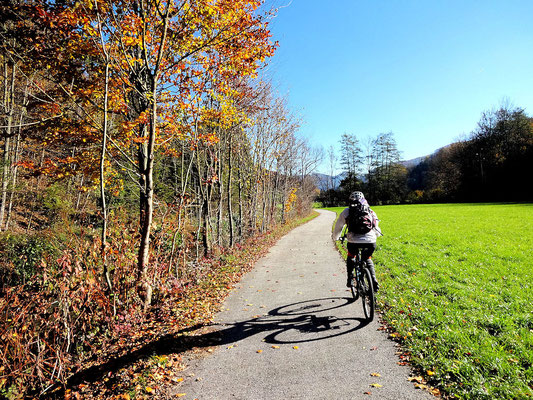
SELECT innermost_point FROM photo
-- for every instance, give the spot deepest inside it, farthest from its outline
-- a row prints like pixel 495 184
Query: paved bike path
pixel 290 331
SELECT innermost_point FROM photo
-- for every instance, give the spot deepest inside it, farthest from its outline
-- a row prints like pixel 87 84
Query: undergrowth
pixel 63 325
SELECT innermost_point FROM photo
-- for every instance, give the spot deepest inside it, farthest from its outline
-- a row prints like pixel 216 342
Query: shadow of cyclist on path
pixel 305 321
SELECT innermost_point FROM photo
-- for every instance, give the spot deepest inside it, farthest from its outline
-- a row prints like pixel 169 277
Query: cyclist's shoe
pixel 375 285
pixel 349 281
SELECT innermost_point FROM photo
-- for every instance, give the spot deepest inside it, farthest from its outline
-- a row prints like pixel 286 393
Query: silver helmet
pixel 356 196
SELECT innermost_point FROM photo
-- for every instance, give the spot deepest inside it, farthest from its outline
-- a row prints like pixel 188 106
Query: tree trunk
pixel 103 248
pixel 241 216
pixel 9 98
pixel 13 181
pixel 146 169
pixel 220 187
pixel 205 227
pixel 146 214
pixel 228 190
pixel 5 179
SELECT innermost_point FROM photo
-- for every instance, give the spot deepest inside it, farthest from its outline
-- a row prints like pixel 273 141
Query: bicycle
pixel 362 284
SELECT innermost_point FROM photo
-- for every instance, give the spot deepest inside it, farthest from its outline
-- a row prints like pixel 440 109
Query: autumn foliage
pixel 140 148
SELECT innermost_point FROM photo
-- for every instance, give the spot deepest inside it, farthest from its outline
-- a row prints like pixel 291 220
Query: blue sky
pixel 424 69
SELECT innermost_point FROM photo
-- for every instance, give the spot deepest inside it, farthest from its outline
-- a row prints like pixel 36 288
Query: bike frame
pixel 363 283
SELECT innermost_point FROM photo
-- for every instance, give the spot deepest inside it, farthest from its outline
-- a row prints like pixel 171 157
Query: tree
pixel 168 67
pixel 498 153
pixel 351 161
pixel 351 158
pixel 332 165
pixel 386 180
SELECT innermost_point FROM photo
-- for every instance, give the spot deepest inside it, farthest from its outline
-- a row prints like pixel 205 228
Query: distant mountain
pixel 413 162
pixel 325 182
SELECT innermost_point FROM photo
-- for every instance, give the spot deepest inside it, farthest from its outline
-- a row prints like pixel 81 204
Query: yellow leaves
pixel 376 374
pixel 421 386
pixel 275 347
pixel 376 385
pixel 420 383
pixel 148 389
pixel 295 347
pixel 132 41
pixel 291 199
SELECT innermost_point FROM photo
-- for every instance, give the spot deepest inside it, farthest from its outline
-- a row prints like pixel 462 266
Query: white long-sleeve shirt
pixel 369 237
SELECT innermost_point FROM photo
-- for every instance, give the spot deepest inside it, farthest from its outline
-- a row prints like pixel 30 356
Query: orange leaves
pixel 210 138
pixel 25 164
pixel 139 140
pixel 131 41
pixel 131 128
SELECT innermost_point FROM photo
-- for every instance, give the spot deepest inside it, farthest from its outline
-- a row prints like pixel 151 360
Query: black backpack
pixel 360 218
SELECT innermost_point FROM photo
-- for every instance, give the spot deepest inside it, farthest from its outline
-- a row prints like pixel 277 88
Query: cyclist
pixel 359 237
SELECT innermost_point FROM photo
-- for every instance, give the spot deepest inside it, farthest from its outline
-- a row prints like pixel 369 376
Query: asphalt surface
pixel 289 330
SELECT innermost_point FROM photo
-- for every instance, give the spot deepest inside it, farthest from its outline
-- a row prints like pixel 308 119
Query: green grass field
pixel 457 290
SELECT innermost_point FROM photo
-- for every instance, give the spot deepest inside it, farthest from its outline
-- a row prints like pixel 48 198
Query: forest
pixel 141 145
pixel 490 165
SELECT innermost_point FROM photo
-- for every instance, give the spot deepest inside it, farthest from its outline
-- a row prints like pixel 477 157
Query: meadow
pixel 457 293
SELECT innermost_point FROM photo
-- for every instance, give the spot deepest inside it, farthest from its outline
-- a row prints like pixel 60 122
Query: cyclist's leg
pixel 349 263
pixel 366 253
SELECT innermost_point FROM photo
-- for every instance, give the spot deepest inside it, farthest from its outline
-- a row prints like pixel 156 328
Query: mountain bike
pixel 362 284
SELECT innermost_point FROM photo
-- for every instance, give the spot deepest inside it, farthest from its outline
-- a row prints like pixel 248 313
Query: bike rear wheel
pixel 367 295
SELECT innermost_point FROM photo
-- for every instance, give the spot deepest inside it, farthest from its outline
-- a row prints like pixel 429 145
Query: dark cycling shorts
pixel 367 249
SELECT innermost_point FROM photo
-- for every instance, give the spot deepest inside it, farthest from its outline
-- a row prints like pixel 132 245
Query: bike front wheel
pixel 353 288
pixel 367 295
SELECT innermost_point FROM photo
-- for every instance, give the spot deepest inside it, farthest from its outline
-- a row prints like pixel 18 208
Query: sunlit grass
pixel 457 289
